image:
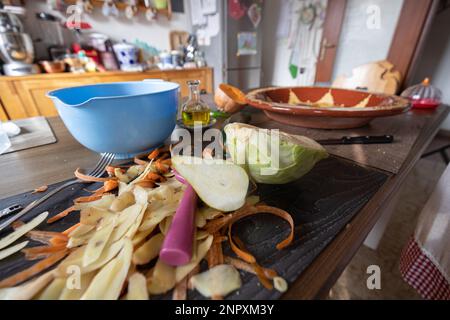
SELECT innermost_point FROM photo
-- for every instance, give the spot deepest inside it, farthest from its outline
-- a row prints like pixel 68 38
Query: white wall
pixel 358 43
pixel 154 33
pixel 275 51
pixel 435 62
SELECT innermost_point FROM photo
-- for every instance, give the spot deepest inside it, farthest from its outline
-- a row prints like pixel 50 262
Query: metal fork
pixel 97 172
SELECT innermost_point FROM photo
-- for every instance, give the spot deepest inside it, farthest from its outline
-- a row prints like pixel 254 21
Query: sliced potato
pixel 121 176
pixel 53 291
pixel 124 187
pixel 125 220
pixel 75 293
pixel 221 185
pixel 19 232
pixel 122 202
pixel 217 282
pixel 76 259
pixel 107 284
pixel 200 220
pixel 201 235
pixel 148 251
pixel 165 225
pixel 155 217
pixel 92 216
pixel 81 230
pixel 165 194
pixel 81 240
pixel 96 244
pixel 137 287
pixel 137 223
pixel 135 171
pixel 140 236
pixel 27 290
pixel 210 213
pixel 140 195
pixel 103 203
pixel 149 168
pixel 162 279
pixel 173 184
pixel 201 250
pixel 13 249
pixel 280 284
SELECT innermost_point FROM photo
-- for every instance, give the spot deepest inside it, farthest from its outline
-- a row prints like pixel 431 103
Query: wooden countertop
pixel 406 129
pixel 28 169
pixel 69 75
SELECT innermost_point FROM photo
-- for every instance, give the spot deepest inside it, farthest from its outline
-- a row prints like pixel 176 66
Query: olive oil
pixel 195 111
pixel 191 118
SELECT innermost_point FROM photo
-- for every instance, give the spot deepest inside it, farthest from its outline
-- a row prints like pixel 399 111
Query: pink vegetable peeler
pixel 177 246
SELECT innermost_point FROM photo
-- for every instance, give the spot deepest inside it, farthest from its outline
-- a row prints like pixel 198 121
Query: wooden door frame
pixel 332 28
pixel 412 29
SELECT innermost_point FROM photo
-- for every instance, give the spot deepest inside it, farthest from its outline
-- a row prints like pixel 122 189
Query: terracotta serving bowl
pixel 341 115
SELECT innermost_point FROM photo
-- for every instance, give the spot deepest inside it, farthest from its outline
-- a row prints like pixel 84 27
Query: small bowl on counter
pixel 229 99
pixel 125 118
pixel 53 66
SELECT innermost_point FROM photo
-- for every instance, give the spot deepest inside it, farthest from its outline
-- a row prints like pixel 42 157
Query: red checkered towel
pixel 421 273
pixel 425 262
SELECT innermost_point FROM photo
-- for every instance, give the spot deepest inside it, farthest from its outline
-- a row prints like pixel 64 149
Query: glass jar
pixel 195 112
pixel 424 95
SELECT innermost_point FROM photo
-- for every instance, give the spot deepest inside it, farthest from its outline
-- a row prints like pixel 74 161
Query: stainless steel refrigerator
pixel 241 70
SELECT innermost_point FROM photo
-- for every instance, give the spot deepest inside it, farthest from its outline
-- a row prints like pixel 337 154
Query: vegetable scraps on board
pixel 122 226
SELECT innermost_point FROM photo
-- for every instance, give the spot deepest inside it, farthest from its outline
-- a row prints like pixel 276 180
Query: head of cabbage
pixel 271 156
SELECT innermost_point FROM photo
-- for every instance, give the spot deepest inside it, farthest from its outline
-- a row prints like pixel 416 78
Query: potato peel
pixel 218 281
pixel 119 234
pixel 137 287
pixel 148 251
pixel 13 249
pixel 22 230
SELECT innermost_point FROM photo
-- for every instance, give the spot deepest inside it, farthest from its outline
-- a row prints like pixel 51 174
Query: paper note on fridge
pixel 247 44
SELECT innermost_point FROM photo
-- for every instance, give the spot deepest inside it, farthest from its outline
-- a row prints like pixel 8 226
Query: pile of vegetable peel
pixel 115 246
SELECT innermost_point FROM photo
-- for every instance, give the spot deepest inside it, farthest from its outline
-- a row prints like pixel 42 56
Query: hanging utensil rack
pixel 141 7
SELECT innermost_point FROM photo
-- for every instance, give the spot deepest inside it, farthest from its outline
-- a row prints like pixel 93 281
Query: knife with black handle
pixel 358 140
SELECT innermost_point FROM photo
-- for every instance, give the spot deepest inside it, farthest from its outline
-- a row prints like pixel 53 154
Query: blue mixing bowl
pixel 126 118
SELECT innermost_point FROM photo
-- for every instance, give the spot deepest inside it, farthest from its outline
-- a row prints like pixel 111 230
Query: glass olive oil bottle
pixel 195 111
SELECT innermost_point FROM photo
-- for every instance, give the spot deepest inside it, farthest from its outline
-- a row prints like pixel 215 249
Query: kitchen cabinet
pixel 23 97
pixel 3 115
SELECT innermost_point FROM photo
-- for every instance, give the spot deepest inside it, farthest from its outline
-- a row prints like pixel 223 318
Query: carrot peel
pixel 33 270
pixel 87 178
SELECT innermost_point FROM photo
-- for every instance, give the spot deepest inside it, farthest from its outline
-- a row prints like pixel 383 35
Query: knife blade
pixel 10 210
pixel 358 140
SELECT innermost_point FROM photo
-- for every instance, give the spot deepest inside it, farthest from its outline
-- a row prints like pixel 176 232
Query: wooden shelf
pixel 141 7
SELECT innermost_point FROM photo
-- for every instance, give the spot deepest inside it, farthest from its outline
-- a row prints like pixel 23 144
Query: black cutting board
pixel 321 203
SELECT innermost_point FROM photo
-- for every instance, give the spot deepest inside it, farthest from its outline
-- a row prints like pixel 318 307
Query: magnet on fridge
pixel 247 44
pixel 236 9
pixel 255 14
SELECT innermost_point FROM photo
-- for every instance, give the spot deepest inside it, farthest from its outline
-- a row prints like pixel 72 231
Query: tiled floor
pixel 414 193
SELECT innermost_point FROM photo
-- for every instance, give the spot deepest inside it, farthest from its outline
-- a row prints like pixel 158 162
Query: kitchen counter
pixel 53 163
pixel 25 96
